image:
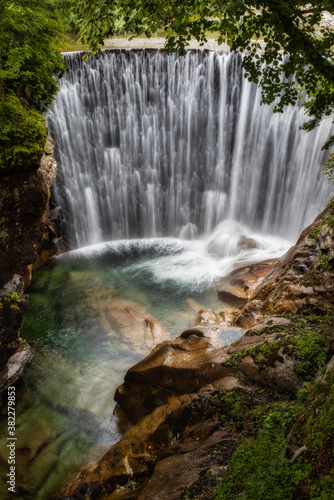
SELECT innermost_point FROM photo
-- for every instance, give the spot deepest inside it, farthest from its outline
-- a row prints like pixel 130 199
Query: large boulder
pixel 164 453
pixel 182 366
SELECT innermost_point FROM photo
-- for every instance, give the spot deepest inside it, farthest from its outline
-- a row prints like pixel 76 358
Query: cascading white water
pixel 150 144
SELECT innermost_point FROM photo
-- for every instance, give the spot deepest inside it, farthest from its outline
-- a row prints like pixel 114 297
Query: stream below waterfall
pixel 93 313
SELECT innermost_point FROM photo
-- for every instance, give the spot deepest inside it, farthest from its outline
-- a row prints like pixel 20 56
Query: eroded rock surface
pixel 302 277
pixel 26 238
pixel 182 366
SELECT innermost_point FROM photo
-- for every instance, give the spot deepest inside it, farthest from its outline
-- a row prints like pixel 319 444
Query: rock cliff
pixel 27 238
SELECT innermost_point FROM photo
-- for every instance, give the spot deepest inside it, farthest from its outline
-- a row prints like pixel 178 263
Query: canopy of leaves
pixel 30 64
pixel 294 62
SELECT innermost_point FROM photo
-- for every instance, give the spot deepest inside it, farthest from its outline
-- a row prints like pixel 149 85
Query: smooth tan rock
pixel 179 367
pixel 133 456
pixel 163 454
pixel 127 321
pixel 250 342
pixel 206 316
pixel 249 277
pixel 279 373
pixel 228 316
pixel 194 305
pixel 233 297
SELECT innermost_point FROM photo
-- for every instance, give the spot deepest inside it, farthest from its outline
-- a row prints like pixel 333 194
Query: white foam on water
pixel 193 264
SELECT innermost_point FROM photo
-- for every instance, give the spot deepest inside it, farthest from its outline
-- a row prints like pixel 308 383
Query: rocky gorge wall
pixel 256 414
pixel 27 238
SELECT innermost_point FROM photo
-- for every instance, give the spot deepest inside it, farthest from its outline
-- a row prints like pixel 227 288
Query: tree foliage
pixel 30 64
pixel 294 62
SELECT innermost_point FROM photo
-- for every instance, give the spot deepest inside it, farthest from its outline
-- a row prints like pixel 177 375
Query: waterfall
pixel 150 144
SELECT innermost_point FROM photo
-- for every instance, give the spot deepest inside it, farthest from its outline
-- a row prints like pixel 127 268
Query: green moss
pixel 12 301
pixel 263 467
pixel 23 133
pixel 234 406
pixel 260 468
pixel 327 219
pixel 306 339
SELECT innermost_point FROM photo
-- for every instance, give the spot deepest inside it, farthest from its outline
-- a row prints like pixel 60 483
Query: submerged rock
pixel 130 323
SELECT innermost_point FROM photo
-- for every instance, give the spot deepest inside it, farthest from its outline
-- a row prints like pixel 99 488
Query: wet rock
pixel 15 365
pixel 326 238
pixel 228 316
pixel 13 304
pixel 249 277
pixel 279 373
pixel 23 203
pixel 206 316
pixel 160 456
pixel 232 297
pixel 25 233
pixel 275 369
pixel 302 277
pixel 245 243
pixel 130 323
pixel 194 305
pixel 133 456
pixel 245 343
pixel 179 471
pixel 179 367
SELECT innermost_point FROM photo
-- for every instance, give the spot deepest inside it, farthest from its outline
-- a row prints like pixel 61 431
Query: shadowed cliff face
pixel 193 400
pixel 24 212
pixel 25 233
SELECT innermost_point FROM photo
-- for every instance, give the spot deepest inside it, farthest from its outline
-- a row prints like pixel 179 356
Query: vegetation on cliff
pixel 296 43
pixel 30 63
pixel 264 465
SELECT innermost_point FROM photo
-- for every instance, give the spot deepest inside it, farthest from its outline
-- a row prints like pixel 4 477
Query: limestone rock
pixel 245 243
pixel 162 454
pixel 179 367
pixel 249 277
pixel 127 321
pixel 302 277
pixel 15 365
pixel 232 297
pixel 206 316
pixel 22 205
pixel 13 304
pixel 279 374
pixel 229 315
